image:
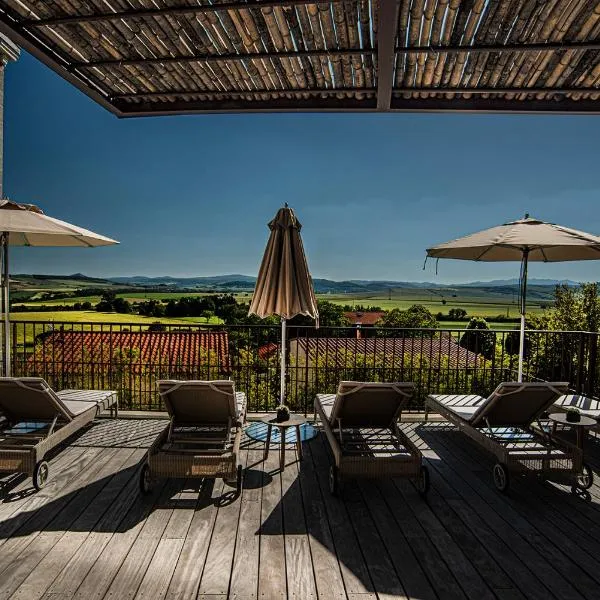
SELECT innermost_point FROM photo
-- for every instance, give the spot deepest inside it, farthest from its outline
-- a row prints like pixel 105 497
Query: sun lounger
pixel 203 436
pixel 37 419
pixel 361 424
pixel 503 424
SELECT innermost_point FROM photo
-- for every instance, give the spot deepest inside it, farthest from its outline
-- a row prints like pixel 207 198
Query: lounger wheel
pixel 501 477
pixel 586 479
pixel 335 481
pixel 146 479
pixel 40 474
pixel 423 481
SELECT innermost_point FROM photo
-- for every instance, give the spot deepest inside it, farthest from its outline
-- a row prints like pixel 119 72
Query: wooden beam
pixel 182 94
pixel 386 57
pixel 498 90
pixel 496 105
pixel 294 105
pixel 479 48
pixel 208 58
pixel 163 12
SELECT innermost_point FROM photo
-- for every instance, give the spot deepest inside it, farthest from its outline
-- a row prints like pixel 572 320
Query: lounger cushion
pixel 465 406
pixel 103 399
pixel 326 401
pixel 586 406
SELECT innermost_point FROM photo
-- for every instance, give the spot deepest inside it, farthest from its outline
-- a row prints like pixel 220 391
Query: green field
pixel 27 331
pixel 475 306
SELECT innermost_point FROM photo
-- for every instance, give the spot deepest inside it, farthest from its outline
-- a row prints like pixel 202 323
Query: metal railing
pixel 130 358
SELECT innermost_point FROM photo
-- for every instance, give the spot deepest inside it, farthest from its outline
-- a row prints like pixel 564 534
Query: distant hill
pixel 540 288
pixel 238 282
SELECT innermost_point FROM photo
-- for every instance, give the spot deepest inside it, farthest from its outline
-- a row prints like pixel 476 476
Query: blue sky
pixel 192 195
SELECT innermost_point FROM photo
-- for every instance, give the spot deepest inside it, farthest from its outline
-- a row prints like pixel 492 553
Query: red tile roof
pixel 267 350
pixel 171 350
pixel 365 318
pixel 337 350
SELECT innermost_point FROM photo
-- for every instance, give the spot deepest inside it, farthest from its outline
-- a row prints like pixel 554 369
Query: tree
pixel 121 305
pixel 457 314
pixel 477 338
pixel 415 317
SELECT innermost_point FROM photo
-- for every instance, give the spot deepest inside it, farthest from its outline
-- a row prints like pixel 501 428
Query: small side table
pixel 295 421
pixel 587 477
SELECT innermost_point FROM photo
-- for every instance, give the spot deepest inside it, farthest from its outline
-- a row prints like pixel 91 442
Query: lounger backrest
pixel 30 399
pixel 514 404
pixel 362 404
pixel 199 401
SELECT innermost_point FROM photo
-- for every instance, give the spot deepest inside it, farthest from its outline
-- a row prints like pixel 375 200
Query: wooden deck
pixel 90 535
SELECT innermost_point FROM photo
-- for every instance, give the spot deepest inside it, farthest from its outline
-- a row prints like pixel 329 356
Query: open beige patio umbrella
pixel 27 225
pixel 525 240
pixel 284 286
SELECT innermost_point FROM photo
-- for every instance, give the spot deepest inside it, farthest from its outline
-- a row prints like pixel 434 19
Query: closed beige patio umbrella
pixel 284 286
pixel 27 225
pixel 525 240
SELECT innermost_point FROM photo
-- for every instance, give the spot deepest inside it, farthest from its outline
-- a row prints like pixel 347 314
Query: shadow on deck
pixel 91 534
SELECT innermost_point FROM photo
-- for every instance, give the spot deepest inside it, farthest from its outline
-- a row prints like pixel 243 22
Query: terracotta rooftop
pixel 368 318
pixel 172 350
pixel 393 349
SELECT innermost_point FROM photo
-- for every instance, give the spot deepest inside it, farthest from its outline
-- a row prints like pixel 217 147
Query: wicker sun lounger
pixel 203 436
pixel 37 419
pixel 503 424
pixel 361 424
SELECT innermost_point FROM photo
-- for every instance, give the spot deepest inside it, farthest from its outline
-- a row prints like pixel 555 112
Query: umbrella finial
pixel 527 215
pixel 285 205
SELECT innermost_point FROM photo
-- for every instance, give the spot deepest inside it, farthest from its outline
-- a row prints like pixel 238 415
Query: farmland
pixel 483 301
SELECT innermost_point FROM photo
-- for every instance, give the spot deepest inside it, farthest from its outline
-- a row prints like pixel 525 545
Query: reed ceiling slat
pixel 143 57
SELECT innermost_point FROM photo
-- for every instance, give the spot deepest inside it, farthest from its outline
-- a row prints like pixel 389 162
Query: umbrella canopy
pixel 543 242
pixel 27 225
pixel 284 286
pixel 524 241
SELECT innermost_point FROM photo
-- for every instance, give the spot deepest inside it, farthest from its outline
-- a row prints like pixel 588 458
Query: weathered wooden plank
pixel 466 575
pixel 505 521
pixel 42 576
pixel 244 574
pixel 159 573
pixel 412 576
pixel 99 578
pixel 328 577
pixel 100 519
pixel 271 571
pixel 298 558
pixel 29 523
pixel 541 532
pixel 351 560
pixel 188 571
pixel 219 560
pixel 133 568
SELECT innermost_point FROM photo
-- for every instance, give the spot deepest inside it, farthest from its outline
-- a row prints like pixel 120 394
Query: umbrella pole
pixel 523 308
pixel 5 306
pixel 283 348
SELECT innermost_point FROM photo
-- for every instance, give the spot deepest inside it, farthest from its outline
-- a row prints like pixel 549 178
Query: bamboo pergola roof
pixel 155 57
